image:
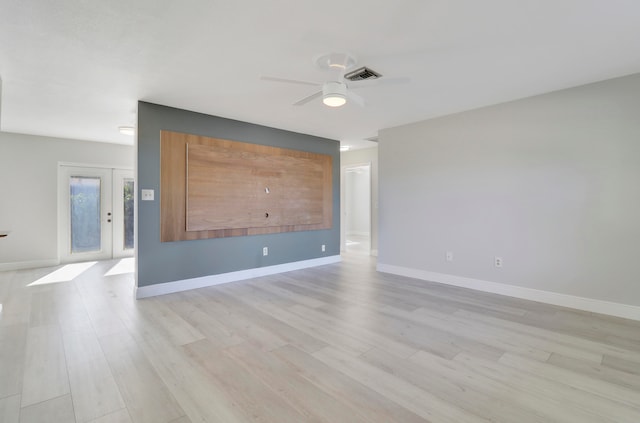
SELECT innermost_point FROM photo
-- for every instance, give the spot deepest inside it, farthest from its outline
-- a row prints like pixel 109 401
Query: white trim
pixel 19 265
pixel 100 166
pixel 204 281
pixel 374 253
pixel 581 303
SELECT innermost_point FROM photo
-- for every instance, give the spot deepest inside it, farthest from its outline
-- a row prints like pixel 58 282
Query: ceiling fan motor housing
pixel 334 94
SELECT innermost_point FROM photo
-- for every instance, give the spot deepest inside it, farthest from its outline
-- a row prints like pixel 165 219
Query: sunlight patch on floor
pixel 126 265
pixel 65 274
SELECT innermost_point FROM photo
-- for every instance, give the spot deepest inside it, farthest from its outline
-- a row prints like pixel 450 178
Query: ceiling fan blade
pixel 308 99
pixel 355 98
pixel 289 81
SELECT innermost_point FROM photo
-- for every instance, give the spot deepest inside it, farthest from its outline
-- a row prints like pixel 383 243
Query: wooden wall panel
pixel 213 188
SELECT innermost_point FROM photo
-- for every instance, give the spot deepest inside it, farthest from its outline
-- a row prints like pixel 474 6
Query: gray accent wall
pixel 549 183
pixel 160 262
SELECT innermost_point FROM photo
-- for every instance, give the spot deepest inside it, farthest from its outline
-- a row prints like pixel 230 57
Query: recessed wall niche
pixel 213 188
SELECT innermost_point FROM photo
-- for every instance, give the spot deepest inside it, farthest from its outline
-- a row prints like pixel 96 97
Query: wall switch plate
pixel 497 261
pixel 324 248
pixel 265 251
pixel 449 256
pixel 147 195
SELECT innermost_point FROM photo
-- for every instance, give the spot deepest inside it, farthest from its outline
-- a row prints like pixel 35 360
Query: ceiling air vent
pixel 361 74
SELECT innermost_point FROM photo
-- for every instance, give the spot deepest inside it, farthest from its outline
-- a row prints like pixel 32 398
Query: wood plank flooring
pixel 337 343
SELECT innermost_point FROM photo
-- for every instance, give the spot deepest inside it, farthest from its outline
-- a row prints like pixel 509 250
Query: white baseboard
pixel 581 303
pixel 204 281
pixel 19 265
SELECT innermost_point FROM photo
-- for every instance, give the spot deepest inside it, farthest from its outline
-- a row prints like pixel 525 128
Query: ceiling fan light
pixel 334 100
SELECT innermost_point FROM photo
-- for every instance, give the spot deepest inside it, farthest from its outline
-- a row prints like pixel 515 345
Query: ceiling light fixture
pixel 127 130
pixel 334 94
pixel 344 148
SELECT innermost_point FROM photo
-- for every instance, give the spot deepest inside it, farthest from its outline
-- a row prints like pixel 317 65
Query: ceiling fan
pixel 335 92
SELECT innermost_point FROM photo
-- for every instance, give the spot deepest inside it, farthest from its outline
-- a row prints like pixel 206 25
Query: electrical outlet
pixel 265 251
pixel 449 256
pixel 497 261
pixel 324 248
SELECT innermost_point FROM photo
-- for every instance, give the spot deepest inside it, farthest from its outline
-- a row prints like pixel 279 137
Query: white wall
pixel 550 183
pixel 28 192
pixel 366 155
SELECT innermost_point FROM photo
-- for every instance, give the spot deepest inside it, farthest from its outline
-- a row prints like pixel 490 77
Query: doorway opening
pixel 356 218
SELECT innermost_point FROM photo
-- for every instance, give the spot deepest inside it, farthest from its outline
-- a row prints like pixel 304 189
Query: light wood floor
pixel 338 343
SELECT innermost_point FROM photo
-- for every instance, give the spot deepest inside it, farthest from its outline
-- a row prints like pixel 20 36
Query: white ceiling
pixel 75 69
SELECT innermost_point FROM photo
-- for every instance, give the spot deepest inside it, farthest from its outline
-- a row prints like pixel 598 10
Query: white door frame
pixel 111 182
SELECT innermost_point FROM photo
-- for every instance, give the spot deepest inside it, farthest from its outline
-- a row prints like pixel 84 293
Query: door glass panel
pixel 129 195
pixel 85 214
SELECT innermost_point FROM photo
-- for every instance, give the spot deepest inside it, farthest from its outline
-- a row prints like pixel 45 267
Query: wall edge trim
pixel 625 311
pixel 32 264
pixel 240 275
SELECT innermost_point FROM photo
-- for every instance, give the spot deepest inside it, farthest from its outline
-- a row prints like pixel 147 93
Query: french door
pixel 96 213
